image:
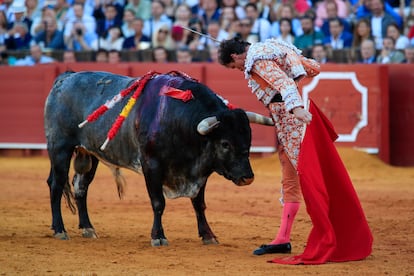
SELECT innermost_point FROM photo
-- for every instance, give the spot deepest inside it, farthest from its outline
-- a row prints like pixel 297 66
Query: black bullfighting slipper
pixel 273 248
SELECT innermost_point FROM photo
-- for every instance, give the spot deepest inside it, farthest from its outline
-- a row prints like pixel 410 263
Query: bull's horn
pixel 206 125
pixel 259 119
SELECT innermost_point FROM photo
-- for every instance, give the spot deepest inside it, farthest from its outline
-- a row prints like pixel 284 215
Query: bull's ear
pixel 259 119
pixel 206 125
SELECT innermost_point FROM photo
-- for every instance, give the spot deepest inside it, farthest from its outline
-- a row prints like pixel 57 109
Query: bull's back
pixel 73 97
pixel 85 90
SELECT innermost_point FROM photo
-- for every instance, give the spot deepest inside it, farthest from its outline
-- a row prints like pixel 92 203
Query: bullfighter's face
pixel 238 61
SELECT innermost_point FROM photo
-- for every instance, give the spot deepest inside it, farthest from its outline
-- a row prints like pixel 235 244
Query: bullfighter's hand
pixel 302 115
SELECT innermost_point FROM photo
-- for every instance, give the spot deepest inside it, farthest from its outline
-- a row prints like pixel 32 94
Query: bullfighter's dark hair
pixel 229 47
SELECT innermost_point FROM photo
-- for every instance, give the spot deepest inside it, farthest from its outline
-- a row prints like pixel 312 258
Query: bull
pixel 175 144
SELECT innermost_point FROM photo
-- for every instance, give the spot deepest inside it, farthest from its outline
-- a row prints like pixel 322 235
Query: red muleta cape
pixel 340 230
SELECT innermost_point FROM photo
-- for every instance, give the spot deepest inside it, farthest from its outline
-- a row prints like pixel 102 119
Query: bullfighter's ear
pixel 206 125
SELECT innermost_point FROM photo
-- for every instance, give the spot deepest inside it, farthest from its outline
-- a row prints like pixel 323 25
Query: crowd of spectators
pixel 368 31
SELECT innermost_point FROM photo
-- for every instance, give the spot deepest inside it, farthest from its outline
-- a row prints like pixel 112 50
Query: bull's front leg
pixel 204 230
pixel 153 182
pixel 157 233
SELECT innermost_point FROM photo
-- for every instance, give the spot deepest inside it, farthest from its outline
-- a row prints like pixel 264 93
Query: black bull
pixel 176 145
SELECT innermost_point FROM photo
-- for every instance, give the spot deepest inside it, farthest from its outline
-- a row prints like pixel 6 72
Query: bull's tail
pixel 120 182
pixel 69 198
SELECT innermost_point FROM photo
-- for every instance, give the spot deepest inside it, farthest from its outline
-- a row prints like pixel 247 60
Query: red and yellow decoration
pixel 139 86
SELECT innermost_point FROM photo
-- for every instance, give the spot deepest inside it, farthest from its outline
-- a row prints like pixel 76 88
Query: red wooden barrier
pixel 401 115
pixel 23 94
pixel 351 96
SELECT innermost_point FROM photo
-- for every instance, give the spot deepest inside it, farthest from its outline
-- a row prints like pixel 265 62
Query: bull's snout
pixel 245 181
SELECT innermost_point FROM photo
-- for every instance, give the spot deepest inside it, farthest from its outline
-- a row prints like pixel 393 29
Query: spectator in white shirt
pixel 286 31
pixel 128 20
pixel 379 19
pixel 286 10
pixel 88 22
pixel 88 7
pixel 38 23
pixel 80 39
pixel 36 57
pixel 158 18
pixel 401 41
pixel 112 41
pixel 162 37
pixel 238 10
pixel 261 27
pixel 214 31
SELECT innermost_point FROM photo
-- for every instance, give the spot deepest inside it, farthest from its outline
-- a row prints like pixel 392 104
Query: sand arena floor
pixel 241 217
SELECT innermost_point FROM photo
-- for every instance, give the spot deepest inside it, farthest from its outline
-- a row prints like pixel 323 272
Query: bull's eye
pixel 225 145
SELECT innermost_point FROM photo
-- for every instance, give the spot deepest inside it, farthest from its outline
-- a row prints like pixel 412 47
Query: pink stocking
pixel 288 216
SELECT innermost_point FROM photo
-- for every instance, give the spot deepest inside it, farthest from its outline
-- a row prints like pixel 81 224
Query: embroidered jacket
pixel 275 66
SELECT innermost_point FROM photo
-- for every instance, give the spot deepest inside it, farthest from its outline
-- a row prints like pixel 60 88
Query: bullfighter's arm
pixel 277 79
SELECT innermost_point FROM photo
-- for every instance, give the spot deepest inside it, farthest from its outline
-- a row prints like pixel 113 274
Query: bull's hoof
pixel 210 241
pixel 89 233
pixel 159 242
pixel 61 236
